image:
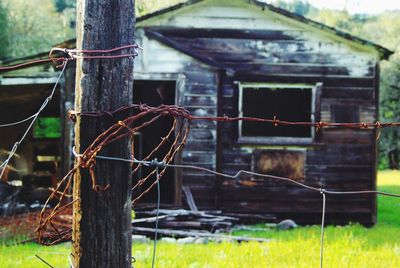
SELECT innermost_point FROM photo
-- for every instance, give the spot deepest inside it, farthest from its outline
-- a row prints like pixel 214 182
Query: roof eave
pixel 383 52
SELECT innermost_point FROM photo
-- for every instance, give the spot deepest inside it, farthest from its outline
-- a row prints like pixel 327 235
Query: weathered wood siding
pixel 340 159
pixel 197 91
pixel 257 45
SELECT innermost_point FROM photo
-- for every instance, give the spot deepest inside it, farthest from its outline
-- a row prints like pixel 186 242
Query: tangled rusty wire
pixel 49 231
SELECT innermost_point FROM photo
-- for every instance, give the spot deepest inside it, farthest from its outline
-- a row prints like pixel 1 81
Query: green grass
pixel 348 246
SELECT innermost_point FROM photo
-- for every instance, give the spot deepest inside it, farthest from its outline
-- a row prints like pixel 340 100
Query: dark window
pixel 286 103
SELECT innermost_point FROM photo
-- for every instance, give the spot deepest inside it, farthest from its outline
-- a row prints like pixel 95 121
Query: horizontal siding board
pixel 201 77
pixel 346 136
pixel 201 146
pixel 307 79
pixel 291 208
pixel 194 157
pixel 343 93
pixel 200 100
pixel 196 179
pixel 197 88
pixel 294 195
pixel 340 155
pixel 288 69
pixel 182 34
pixel 292 42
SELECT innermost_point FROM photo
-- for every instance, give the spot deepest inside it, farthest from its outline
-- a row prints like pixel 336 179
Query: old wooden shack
pixel 247 58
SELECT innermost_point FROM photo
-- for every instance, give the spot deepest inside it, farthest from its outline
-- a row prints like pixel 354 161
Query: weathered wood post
pixel 102 221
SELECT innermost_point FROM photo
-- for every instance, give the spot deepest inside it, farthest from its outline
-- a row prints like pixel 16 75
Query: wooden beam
pixel 102 221
pixel 170 232
pixel 182 48
pixel 227 33
pixel 189 198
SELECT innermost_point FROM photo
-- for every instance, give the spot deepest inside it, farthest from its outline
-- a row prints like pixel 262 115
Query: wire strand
pixel 18 122
pixel 157 218
pixel 29 63
pixel 4 165
pixel 238 174
pixel 321 264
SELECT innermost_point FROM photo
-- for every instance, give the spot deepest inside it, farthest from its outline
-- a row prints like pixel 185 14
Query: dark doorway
pixel 154 93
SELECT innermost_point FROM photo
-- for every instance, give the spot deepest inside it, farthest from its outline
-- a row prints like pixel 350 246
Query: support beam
pixel 102 221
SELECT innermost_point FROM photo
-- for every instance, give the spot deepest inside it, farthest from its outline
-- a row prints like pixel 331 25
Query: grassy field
pixel 348 246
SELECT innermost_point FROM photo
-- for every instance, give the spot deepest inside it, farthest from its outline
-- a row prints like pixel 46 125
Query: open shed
pixel 247 58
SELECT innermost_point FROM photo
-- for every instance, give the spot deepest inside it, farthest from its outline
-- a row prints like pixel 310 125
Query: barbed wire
pixel 174 109
pixel 322 191
pixel 32 63
pixel 181 125
pixel 74 54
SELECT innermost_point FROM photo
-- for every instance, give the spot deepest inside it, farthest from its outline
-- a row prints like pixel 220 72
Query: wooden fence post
pixel 102 221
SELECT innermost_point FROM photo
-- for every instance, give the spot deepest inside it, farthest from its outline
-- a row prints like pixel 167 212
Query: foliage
pixel 345 246
pixel 47 127
pixel 300 7
pixel 145 6
pixel 36 26
pixel 390 111
pixel 4 28
pixel 62 5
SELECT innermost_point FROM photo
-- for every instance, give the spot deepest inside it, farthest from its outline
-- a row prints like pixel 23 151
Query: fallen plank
pixel 180 224
pixel 170 232
pixel 184 212
pixel 189 198
pixel 153 219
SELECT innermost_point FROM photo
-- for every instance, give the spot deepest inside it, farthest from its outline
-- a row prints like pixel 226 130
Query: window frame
pixel 315 114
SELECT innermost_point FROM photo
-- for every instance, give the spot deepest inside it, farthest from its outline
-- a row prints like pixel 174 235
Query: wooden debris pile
pixel 186 223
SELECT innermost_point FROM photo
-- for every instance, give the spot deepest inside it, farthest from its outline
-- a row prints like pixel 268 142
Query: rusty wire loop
pixel 48 231
pixel 52 228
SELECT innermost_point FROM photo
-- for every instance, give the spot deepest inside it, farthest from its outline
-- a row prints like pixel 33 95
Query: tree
pixel 390 112
pixel 300 7
pixel 36 26
pixel 147 6
pixel 60 5
pixel 3 31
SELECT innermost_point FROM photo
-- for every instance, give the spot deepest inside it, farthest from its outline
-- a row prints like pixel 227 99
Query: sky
pixel 358 6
